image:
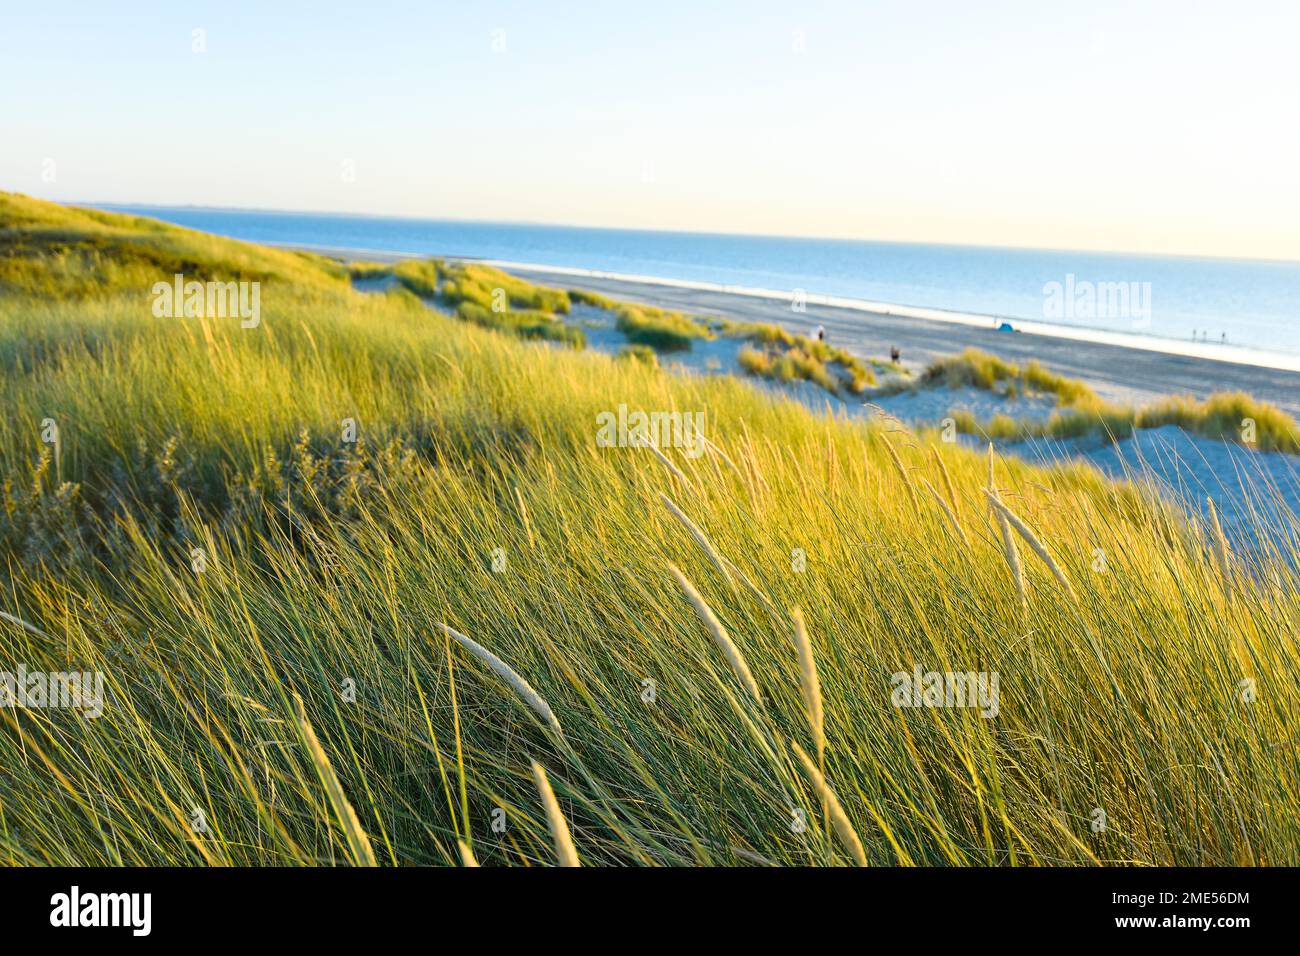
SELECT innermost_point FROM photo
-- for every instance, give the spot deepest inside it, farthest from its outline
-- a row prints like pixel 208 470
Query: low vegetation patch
pixel 593 299
pixel 525 323
pixel 365 271
pixel 483 296
pixel 781 356
pixel 979 369
pixel 1230 416
pixel 1227 416
pixel 660 329
pixel 419 276
pixel 491 288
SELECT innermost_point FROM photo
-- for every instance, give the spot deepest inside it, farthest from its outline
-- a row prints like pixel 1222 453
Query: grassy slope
pixel 62 252
pixel 329 561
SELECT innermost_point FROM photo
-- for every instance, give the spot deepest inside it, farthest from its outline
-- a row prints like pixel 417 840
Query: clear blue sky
pixel 1156 126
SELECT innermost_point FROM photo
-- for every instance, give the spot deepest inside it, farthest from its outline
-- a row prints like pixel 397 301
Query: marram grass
pixel 475 493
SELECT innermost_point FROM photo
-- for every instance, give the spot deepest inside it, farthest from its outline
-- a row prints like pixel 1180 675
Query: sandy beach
pixel 1119 374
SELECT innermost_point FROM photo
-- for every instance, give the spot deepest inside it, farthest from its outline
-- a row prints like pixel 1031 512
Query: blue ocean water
pixel 1252 304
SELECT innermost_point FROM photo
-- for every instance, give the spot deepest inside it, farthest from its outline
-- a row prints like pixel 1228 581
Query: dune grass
pixel 979 369
pixel 1229 416
pixel 482 295
pixel 486 286
pixel 661 329
pixel 639 353
pixel 63 252
pixel 419 276
pixel 489 297
pixel 300 700
pixel 783 356
pixel 593 299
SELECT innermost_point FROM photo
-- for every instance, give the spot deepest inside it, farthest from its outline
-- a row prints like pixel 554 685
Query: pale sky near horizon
pixel 1146 126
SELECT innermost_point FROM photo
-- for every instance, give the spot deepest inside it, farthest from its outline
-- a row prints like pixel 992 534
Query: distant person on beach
pixel 894 354
pixel 821 333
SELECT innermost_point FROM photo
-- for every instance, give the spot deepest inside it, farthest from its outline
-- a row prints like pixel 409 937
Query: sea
pixel 1233 309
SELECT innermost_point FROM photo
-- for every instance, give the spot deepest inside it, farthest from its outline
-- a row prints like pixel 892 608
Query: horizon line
pixel 687 232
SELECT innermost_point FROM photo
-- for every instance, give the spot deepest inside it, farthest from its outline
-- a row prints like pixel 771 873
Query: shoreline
pixel 1202 351
pixel 1117 373
pixel 1209 351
